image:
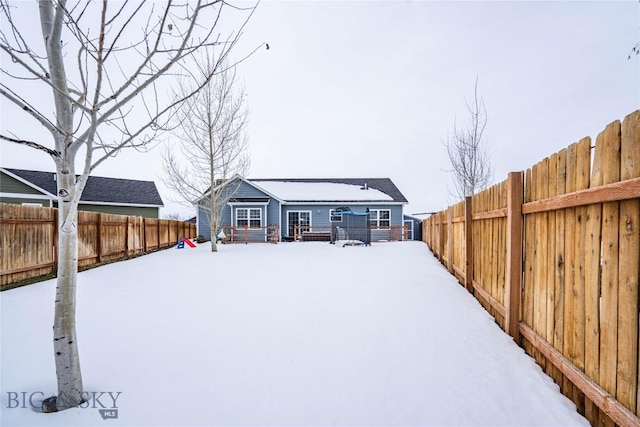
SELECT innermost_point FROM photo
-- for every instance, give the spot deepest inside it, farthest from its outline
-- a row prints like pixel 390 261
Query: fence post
pixel 449 240
pixel 432 233
pixel 98 237
pixel 468 232
pixel 126 239
pixel 145 245
pixel 513 286
pixel 441 237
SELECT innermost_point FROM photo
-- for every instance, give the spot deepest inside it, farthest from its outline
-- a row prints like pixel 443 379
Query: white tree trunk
pixel 64 327
pixel 214 237
pixel 99 94
pixel 64 330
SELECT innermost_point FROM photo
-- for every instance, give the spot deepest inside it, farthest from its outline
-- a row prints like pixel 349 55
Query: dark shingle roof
pixel 99 189
pixel 384 185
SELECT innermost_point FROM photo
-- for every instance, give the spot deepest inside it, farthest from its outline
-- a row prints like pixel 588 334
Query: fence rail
pixel 553 254
pixel 28 239
pixel 246 234
pixel 323 232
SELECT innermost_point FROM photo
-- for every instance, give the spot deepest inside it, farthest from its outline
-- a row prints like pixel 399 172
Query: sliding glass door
pixel 299 219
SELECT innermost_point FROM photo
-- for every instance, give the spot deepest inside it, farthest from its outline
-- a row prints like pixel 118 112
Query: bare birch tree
pixel 95 77
pixel 468 152
pixel 210 143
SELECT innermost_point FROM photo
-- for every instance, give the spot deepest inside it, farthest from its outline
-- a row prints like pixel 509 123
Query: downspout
pixel 280 228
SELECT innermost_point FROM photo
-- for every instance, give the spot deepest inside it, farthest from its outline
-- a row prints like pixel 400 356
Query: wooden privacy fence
pixel 554 255
pixel 28 239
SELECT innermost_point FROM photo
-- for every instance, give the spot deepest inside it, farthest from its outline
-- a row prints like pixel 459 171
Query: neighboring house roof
pixel 99 190
pixel 413 217
pixel 332 189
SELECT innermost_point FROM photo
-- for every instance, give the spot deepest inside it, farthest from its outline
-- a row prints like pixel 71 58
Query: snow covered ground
pixel 289 334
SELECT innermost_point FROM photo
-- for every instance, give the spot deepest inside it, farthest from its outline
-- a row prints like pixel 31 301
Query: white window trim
pixel 375 223
pixel 301 211
pixel 409 224
pixel 331 216
pixel 248 218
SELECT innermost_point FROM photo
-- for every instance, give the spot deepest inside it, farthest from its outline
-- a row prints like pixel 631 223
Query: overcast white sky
pixel 372 88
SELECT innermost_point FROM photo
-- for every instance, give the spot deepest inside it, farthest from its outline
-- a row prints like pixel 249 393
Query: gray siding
pixel 245 190
pixel 204 224
pixel 273 213
pixel 241 191
pixel 320 216
pixel 150 212
pixel 226 215
pixel 417 227
pixel 12 185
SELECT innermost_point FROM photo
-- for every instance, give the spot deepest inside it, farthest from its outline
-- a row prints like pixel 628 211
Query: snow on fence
pixel 28 239
pixel 554 255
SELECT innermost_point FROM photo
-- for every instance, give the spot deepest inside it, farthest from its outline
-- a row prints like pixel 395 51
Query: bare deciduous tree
pixel 635 50
pixel 212 142
pixel 468 152
pixel 94 78
pixel 174 216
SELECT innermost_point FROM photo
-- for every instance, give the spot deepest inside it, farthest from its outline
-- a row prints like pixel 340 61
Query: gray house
pixel 304 209
pixel 107 195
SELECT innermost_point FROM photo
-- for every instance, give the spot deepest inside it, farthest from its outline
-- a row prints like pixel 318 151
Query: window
pixel 255 217
pixel 335 216
pixel 242 217
pixel 299 221
pixel 380 218
pixel 251 217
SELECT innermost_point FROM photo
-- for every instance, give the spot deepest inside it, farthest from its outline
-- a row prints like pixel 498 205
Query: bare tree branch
pixel 29 109
pixel 101 84
pixel 210 135
pixel 31 144
pixel 467 150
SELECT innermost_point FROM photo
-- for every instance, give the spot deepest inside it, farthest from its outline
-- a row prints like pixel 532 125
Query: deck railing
pixel 323 232
pixel 245 234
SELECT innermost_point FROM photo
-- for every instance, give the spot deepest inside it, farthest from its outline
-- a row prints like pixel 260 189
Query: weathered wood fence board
pixel 25 227
pixel 567 289
pixel 629 250
pixel 28 239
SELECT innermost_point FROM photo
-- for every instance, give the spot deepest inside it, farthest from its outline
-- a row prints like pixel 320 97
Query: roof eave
pixel 247 181
pixel 133 205
pixel 333 202
pixel 28 183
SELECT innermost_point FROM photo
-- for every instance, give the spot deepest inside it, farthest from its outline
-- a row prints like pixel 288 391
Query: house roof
pixel 99 189
pixel 332 189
